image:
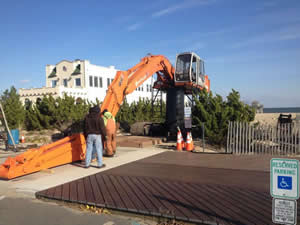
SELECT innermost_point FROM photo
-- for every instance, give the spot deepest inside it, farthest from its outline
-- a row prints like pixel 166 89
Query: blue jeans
pixel 94 141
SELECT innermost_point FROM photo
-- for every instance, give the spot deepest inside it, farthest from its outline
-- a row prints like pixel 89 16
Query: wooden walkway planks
pixel 202 200
pixel 184 201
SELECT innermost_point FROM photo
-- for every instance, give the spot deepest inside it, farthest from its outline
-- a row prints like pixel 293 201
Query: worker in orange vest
pixel 110 124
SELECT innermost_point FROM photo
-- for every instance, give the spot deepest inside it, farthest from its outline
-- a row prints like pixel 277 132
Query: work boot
pixel 100 167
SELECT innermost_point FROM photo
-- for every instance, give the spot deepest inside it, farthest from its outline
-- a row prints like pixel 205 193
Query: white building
pixel 82 80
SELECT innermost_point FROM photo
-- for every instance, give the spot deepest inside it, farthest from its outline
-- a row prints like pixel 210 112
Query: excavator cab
pixel 189 68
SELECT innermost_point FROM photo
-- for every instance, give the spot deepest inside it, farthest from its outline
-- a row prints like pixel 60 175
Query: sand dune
pixel 272 118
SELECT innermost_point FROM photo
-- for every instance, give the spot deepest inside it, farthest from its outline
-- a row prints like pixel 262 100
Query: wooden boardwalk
pixel 200 188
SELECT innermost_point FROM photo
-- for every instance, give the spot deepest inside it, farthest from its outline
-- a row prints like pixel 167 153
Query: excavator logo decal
pixel 121 80
pixel 141 80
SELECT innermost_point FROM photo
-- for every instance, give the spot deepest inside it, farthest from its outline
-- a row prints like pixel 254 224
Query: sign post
pixel 284 188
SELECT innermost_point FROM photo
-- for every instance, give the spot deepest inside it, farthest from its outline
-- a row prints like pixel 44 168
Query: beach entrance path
pixel 200 188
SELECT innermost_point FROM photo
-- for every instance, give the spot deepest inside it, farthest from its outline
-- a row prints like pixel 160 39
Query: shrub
pixel 13 108
pixel 215 113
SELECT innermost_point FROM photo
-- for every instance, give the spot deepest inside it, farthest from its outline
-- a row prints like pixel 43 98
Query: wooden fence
pixel 243 138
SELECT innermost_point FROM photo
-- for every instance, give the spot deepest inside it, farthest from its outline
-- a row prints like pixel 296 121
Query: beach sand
pixel 271 118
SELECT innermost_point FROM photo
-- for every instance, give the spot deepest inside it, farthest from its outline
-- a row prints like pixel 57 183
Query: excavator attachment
pixel 58 153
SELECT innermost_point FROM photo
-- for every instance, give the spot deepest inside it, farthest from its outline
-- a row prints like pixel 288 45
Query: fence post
pixel 247 138
pixel 228 134
pixel 231 137
pixel 289 138
pixel 281 139
pixel 285 139
pixel 278 149
pixel 257 139
pixel 271 141
pixel 298 140
pixel 292 140
pixel 266 138
pixel 203 140
pixel 252 140
pixel 236 137
pixel 242 138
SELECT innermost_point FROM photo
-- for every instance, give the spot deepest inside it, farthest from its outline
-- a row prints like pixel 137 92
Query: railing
pixel 244 138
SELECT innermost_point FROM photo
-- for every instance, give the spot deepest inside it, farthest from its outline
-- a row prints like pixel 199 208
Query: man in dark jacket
pixel 93 129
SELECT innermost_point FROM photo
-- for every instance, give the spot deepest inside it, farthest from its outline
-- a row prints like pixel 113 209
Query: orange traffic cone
pixel 22 139
pixel 182 143
pixel 179 141
pixel 189 142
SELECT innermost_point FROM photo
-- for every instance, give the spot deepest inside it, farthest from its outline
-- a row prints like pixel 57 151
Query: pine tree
pixel 13 108
pixel 32 121
pixel 215 113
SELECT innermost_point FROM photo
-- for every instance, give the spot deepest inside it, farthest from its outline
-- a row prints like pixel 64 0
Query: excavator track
pixel 64 151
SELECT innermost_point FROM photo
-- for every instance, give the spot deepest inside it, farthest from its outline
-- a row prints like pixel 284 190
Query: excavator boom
pixel 125 82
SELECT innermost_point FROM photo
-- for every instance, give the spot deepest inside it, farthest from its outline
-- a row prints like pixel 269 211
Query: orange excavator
pixel 188 75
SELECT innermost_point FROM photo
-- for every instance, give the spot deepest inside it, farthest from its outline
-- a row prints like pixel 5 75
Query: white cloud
pixel 180 6
pixel 268 4
pixel 195 47
pixel 278 16
pixel 134 26
pixel 284 34
pixel 24 81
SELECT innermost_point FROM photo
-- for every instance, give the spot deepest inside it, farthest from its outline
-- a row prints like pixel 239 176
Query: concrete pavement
pixel 17 211
pixel 32 183
pixel 19 206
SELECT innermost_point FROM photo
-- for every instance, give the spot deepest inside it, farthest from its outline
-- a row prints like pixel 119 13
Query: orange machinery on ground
pixel 187 76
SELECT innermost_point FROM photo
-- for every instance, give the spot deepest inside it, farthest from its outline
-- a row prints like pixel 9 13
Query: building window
pixel 95 81
pixel 100 82
pixel 65 82
pixel 91 81
pixel 77 82
pixel 54 83
pixel 65 69
pixel 108 82
pixel 142 88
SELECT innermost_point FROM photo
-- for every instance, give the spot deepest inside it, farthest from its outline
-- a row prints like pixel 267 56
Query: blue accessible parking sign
pixel 284 182
pixel 284 178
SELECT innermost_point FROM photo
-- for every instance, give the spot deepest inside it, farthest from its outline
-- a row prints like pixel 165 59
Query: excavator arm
pixel 125 82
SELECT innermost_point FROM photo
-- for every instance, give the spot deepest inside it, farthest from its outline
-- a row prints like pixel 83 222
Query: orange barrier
pixel 58 153
pixel 189 142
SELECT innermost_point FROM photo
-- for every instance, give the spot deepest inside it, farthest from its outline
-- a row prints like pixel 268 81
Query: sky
pixel 250 46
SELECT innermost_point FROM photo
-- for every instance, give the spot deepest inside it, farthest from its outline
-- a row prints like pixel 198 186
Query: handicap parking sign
pixel 284 182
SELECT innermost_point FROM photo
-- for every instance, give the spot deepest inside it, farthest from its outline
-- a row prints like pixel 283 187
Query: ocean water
pixel 282 110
